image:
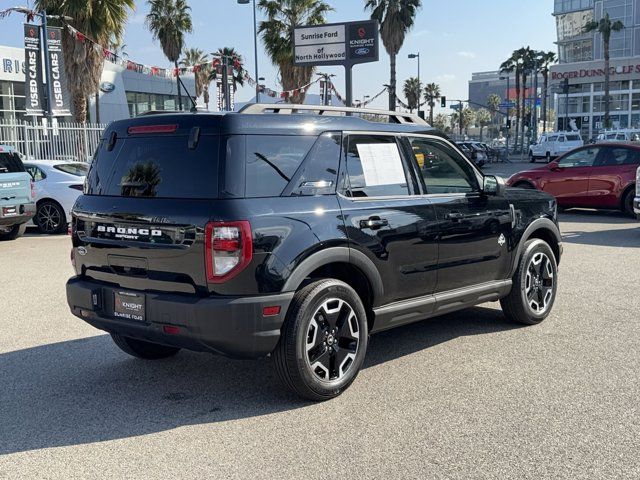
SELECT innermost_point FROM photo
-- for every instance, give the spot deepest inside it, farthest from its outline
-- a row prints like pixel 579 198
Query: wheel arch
pixel 524 182
pixel 543 229
pixel 630 188
pixel 342 263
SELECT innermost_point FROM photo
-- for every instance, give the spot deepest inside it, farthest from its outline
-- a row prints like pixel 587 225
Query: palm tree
pixel 431 94
pixel 546 59
pixel 229 56
pixel 194 57
pixel 100 21
pixel 605 27
pixel 412 89
pixel 514 65
pixel 276 31
pixel 529 63
pixel 493 102
pixel 483 118
pixel 396 18
pixel 441 122
pixel 169 21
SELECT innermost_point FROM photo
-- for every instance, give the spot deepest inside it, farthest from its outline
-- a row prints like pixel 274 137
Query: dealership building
pixel 581 61
pixel 123 93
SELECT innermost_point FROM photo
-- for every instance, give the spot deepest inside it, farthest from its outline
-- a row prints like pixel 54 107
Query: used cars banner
pixel 61 101
pixel 33 70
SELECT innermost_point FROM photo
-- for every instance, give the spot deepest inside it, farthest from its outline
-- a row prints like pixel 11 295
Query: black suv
pixel 295 232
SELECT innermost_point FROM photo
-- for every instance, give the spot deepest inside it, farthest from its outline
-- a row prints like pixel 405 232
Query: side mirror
pixel 494 185
pixel 554 166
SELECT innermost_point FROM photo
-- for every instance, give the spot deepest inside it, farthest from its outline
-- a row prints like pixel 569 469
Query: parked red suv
pixel 594 176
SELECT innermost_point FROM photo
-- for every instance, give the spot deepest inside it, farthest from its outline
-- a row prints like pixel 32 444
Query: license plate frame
pixel 10 211
pixel 129 306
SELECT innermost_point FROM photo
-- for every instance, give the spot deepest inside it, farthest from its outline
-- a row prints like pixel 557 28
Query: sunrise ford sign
pixel 336 44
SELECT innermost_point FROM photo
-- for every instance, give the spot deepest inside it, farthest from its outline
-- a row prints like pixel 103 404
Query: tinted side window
pixel 10 163
pixel 271 162
pixel 319 172
pixel 619 156
pixel 581 158
pixel 35 173
pixel 441 168
pixel 77 169
pixel 375 167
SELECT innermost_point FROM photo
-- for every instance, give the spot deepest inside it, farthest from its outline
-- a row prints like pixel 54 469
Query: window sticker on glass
pixel 381 164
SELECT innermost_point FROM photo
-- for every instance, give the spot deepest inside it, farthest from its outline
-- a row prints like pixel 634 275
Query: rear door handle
pixel 455 216
pixel 374 223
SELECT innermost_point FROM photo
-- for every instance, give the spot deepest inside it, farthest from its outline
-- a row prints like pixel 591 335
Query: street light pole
pixel 507 113
pixel 255 45
pixel 417 55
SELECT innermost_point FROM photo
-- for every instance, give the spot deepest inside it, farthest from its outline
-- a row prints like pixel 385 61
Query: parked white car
pixel 552 145
pixel 626 135
pixel 58 184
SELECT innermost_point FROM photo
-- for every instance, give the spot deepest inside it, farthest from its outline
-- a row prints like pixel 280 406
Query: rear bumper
pixel 26 211
pixel 232 326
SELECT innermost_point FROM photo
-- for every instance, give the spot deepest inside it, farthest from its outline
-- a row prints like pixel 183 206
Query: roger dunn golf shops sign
pixel 336 44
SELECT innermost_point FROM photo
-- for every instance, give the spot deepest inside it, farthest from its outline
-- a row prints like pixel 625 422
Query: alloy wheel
pixel 332 340
pixel 49 218
pixel 539 283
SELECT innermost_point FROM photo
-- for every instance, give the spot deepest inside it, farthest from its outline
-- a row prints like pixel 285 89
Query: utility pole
pixel 460 116
pixel 534 126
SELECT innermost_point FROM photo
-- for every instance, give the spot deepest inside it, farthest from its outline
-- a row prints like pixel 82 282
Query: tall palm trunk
pixel 178 83
pixel 392 83
pixel 515 141
pixel 524 109
pixel 431 105
pixel 545 95
pixel 97 119
pixel 607 86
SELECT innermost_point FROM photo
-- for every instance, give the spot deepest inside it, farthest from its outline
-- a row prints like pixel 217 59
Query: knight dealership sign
pixel 336 43
pixel 60 103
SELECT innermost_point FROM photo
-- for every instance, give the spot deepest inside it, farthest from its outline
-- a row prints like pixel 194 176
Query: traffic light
pixel 508 123
pixel 443 102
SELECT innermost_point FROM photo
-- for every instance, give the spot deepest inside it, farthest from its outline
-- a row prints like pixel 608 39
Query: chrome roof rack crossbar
pixel 289 109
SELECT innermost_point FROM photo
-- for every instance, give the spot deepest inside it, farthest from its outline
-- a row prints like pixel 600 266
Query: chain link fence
pixel 49 140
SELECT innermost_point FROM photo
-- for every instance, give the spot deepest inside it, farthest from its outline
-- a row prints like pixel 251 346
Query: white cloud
pixel 466 54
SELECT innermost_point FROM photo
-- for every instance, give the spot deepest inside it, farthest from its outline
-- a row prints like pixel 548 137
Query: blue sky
pixel 454 38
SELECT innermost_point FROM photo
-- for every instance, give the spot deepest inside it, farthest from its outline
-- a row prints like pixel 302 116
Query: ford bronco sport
pixel 295 232
pixel 17 205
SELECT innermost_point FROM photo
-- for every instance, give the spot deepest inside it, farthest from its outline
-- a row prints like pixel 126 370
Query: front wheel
pixel 12 232
pixel 50 218
pixel 548 157
pixel 142 349
pixel 535 284
pixel 324 340
pixel 627 202
pixel 531 157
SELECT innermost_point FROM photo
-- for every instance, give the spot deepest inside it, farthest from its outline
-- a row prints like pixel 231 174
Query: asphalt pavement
pixel 465 396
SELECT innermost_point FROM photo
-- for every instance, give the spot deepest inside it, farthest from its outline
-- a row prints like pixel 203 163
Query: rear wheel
pixel 548 157
pixel 324 340
pixel 142 349
pixel 526 185
pixel 535 284
pixel 50 218
pixel 531 157
pixel 12 232
pixel 627 202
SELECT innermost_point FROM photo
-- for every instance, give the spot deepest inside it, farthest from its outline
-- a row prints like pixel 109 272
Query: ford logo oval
pixel 107 87
pixel 362 51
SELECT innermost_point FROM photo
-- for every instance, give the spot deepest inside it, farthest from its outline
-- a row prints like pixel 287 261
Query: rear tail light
pixel 142 129
pixel 76 187
pixel 33 189
pixel 228 249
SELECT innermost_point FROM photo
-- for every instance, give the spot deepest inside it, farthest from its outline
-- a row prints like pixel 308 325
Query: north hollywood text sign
pixel 336 44
pixel 596 72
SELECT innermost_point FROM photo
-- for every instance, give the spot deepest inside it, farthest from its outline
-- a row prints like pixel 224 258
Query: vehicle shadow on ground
pixel 615 237
pixel 578 215
pixel 85 391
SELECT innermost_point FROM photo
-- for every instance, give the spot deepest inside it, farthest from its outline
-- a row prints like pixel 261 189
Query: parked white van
pixel 627 135
pixel 552 145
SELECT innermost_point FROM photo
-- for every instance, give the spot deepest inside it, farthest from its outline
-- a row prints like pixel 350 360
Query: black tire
pixel 627 202
pixel 529 287
pixel 532 159
pixel 307 340
pixel 142 349
pixel 11 233
pixel 548 157
pixel 526 185
pixel 50 218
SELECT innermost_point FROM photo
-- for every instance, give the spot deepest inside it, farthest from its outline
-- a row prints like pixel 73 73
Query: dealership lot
pixel 464 396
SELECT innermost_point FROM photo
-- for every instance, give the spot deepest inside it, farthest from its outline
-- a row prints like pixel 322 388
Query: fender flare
pixel 336 255
pixel 538 224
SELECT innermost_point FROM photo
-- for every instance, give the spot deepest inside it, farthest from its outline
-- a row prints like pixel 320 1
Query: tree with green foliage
pixel 431 95
pixel 483 118
pixel 605 27
pixel 396 18
pixel 412 89
pixel 169 21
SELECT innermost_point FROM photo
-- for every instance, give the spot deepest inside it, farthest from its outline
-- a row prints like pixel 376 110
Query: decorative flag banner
pixel 60 103
pixel 33 65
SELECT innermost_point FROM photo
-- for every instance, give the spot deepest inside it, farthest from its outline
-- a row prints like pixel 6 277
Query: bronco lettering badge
pixel 128 233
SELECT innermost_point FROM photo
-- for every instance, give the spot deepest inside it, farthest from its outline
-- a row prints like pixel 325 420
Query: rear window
pixel 10 163
pixel 573 138
pixel 158 166
pixel 77 169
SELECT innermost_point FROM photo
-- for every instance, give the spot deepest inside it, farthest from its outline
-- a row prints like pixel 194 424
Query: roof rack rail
pixel 290 109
